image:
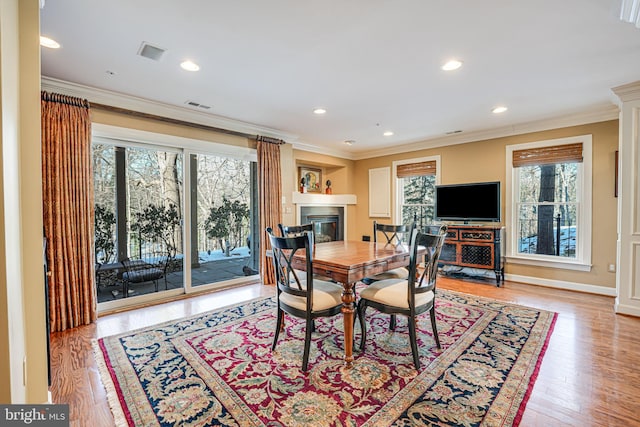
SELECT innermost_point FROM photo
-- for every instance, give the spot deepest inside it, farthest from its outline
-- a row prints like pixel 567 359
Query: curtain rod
pixel 170 120
pixel 63 99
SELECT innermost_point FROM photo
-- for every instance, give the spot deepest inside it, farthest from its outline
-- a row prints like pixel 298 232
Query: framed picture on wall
pixel 312 179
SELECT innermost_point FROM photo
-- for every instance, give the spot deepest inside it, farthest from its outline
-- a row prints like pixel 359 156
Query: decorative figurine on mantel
pixel 303 188
pixel 328 190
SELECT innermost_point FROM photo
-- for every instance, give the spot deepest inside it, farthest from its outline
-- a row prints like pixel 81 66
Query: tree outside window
pixel 549 202
pixel 418 199
pixel 547 209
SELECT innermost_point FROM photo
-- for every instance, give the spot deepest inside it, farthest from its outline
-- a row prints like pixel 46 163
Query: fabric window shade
pixel 568 153
pixel 416 169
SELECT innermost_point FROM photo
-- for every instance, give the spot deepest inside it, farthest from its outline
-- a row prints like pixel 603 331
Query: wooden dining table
pixel 346 262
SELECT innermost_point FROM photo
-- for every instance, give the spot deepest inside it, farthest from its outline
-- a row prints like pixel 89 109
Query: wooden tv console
pixel 475 247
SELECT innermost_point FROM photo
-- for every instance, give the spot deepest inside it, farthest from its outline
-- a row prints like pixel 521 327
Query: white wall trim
pixel 562 284
pixel 134 103
pixel 626 309
pixel 597 114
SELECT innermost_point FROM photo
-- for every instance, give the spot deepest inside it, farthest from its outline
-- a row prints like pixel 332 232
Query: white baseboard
pixel 626 309
pixel 561 284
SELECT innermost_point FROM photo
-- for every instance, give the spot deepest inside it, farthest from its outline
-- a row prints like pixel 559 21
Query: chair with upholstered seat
pixel 304 297
pixel 390 235
pixel 408 297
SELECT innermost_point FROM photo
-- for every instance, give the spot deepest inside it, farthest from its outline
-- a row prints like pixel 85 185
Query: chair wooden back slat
pixel 284 250
pixel 394 234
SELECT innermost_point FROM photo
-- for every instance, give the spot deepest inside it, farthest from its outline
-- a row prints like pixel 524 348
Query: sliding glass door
pixel 164 227
pixel 138 223
pixel 223 209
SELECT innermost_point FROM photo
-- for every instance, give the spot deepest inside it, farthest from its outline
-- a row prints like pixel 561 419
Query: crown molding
pixel 599 114
pixel 322 150
pixel 120 100
pixel 114 99
pixel 628 92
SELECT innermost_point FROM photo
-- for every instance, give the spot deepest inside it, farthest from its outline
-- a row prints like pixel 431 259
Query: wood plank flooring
pixel 590 375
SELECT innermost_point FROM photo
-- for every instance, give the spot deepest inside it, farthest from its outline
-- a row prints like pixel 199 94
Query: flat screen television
pixel 478 201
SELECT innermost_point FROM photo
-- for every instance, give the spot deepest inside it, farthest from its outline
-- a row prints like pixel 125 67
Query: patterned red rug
pixel 218 369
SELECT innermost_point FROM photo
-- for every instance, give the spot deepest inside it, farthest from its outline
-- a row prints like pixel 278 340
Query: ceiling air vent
pixel 151 52
pixel 197 105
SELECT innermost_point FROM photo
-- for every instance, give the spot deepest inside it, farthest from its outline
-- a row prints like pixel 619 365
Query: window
pixel 549 202
pixel 415 190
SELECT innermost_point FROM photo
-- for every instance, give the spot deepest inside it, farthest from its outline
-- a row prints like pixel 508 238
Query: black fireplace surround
pixel 328 221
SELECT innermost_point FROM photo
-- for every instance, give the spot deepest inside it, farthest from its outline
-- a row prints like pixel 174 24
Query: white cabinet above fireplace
pixel 323 199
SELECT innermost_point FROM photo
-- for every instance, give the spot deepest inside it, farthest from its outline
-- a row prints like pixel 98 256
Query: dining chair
pixel 408 297
pixel 298 230
pixel 295 230
pixel 306 298
pixel 393 235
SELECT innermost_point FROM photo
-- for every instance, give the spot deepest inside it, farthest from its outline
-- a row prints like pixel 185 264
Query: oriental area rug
pixel 218 369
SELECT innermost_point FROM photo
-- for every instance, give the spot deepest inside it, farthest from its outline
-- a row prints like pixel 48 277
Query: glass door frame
pixel 113 135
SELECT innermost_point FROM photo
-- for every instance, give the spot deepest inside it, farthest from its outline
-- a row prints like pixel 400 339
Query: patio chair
pixel 137 271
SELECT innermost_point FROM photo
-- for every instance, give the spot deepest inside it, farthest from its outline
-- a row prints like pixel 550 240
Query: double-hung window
pixel 415 190
pixel 549 202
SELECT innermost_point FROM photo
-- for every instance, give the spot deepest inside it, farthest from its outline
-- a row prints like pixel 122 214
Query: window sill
pixel 540 262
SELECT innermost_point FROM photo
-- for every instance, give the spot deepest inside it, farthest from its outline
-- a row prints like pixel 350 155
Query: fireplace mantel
pixel 323 199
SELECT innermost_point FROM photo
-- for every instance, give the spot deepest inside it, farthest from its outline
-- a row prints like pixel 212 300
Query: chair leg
pixel 413 341
pixel 432 314
pixel 392 322
pixel 307 344
pixel 280 317
pixel 362 308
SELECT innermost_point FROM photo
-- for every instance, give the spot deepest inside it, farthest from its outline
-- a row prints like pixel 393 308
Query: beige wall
pixel 23 358
pixel 485 161
pixel 340 171
pixel 125 121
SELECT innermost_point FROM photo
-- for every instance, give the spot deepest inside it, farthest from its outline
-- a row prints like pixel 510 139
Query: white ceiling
pixel 373 64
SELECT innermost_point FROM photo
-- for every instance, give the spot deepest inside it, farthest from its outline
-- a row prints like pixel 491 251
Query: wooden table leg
pixel 348 308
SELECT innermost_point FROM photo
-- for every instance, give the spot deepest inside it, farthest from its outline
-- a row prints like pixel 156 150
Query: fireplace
pixel 328 221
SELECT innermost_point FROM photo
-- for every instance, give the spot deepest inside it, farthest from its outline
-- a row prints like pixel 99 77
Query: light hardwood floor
pixel 590 375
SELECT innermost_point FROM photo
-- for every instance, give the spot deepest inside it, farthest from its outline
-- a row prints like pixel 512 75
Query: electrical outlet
pixel 611 268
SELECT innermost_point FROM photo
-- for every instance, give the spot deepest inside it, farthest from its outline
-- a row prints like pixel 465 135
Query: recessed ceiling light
pixel 498 110
pixel 50 43
pixel 388 133
pixel 190 66
pixel 454 64
pixel 350 142
pixel 319 111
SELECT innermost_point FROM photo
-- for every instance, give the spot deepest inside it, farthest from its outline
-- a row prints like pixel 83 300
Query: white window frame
pixel 582 261
pixel 397 182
